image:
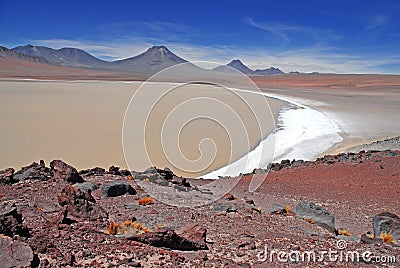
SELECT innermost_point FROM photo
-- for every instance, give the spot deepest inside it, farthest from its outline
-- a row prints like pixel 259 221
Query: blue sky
pixel 325 36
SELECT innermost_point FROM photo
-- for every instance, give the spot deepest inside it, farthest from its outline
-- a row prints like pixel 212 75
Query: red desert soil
pixel 10 68
pixel 354 187
pixel 326 81
pixel 354 190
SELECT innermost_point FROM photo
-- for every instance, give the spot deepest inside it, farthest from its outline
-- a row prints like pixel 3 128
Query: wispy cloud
pixel 285 29
pixel 376 22
pixel 126 40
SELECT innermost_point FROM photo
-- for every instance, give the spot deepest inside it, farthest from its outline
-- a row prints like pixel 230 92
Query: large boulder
pixel 162 177
pixel 11 221
pixel 14 253
pixel 80 204
pixel 318 214
pixel 188 238
pixel 86 186
pixel 6 176
pixel 195 234
pixel 97 171
pixel 387 223
pixel 63 171
pixel 116 188
pixel 34 171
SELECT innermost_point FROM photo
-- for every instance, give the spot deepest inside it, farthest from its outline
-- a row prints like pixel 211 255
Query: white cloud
pixel 375 22
pixel 285 29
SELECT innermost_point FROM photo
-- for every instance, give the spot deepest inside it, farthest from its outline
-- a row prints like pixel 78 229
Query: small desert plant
pixel 343 232
pixel 112 228
pixel 146 201
pixel 288 209
pixel 310 221
pixel 387 238
pixel 127 227
pixel 1 195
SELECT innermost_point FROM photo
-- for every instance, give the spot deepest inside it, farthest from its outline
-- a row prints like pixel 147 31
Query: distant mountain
pixel 10 54
pixel 68 57
pixel 151 61
pixel 238 65
pixel 269 71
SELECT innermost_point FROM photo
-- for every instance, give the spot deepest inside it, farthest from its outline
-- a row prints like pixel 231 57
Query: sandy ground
pixel 366 107
pixel 82 123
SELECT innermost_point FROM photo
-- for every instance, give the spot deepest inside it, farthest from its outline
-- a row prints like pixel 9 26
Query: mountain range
pixel 238 65
pixel 149 62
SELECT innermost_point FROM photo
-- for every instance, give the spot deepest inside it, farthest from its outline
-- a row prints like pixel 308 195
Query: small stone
pixel 229 197
pixel 318 214
pixel 117 188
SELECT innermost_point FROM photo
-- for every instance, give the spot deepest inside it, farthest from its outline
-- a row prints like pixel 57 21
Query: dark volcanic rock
pixel 11 221
pixel 222 207
pixel 190 237
pixel 86 186
pixel 162 177
pixel 15 253
pixel 34 171
pixel 114 170
pixel 6 176
pixel 322 217
pixel 152 177
pixel 80 204
pixel 388 223
pixel 116 188
pixel 368 240
pixel 259 171
pixel 63 171
pixel 277 209
pixel 92 171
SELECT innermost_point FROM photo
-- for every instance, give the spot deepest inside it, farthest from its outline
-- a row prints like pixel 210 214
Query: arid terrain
pixel 51 215
pixel 54 216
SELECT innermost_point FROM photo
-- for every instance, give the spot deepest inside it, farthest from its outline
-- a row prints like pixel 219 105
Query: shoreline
pixel 290 139
pixel 320 105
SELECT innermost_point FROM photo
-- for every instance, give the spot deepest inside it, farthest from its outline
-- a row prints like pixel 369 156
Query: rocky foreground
pixel 344 205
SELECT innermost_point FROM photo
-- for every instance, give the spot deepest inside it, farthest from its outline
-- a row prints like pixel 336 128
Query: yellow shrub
pixel 387 238
pixel 112 228
pixel 146 201
pixel 343 232
pixel 310 221
pixel 288 209
pixel 127 227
